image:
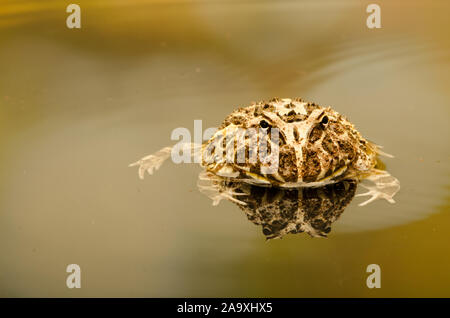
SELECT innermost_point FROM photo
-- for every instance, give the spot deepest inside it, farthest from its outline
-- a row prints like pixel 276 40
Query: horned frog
pixel 316 146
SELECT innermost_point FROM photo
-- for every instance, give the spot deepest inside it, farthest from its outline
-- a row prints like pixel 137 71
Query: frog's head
pixel 281 125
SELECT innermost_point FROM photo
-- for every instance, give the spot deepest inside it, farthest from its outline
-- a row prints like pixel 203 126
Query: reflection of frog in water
pixel 282 211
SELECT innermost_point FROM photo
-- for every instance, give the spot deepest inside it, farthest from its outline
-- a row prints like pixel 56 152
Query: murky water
pixel 77 106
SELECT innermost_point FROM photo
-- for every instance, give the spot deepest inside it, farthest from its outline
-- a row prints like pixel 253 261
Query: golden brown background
pixel 77 106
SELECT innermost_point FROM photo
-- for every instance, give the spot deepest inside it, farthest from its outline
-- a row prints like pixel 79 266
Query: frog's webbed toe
pixel 209 185
pixel 152 162
pixel 380 185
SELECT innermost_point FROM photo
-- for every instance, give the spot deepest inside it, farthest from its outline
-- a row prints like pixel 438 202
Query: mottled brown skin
pixel 290 211
pixel 316 143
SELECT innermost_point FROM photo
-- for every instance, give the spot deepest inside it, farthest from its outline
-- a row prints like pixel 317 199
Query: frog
pixel 315 146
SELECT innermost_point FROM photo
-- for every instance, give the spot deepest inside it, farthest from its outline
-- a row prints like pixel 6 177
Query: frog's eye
pixel 264 124
pixel 324 120
pixel 267 231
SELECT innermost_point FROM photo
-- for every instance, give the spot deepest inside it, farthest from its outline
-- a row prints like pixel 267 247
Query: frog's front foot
pixel 152 162
pixel 381 185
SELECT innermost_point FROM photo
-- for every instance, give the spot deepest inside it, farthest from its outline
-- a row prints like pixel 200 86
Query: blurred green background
pixel 77 106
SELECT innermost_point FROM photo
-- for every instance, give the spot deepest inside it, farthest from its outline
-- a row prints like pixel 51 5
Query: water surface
pixel 77 106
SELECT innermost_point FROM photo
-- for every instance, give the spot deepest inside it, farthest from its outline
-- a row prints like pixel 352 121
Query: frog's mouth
pixel 241 174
